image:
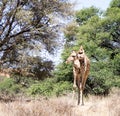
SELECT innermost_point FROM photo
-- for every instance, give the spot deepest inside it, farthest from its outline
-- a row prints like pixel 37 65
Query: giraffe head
pixel 81 53
pixel 73 58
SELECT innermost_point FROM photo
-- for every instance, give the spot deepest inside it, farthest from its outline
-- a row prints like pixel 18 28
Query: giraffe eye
pixel 80 52
pixel 73 56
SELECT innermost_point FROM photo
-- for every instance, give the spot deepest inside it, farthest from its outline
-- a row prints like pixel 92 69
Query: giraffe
pixel 81 68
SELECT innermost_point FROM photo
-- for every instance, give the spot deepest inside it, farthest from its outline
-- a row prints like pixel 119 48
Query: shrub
pixel 49 87
pixel 24 81
pixel 8 87
pixel 97 86
pixel 62 87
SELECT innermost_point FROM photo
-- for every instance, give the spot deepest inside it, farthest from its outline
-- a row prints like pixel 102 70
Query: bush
pixel 97 86
pixel 8 87
pixel 64 72
pixel 24 81
pixel 41 88
pixel 49 87
pixel 62 88
pixel 116 82
pixel 100 79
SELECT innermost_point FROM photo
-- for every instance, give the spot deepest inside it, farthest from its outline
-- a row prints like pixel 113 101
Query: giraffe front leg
pixel 74 83
pixel 81 94
pixel 81 98
pixel 75 77
pixel 74 87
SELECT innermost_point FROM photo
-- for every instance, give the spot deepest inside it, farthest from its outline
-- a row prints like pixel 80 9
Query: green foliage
pixel 49 87
pixel 42 88
pixel 85 14
pixel 9 87
pixel 100 80
pixel 96 86
pixel 15 85
pixel 116 81
pixel 116 64
pixel 115 3
pixel 114 14
pixel 70 32
pixel 100 39
pixel 25 82
pixel 64 75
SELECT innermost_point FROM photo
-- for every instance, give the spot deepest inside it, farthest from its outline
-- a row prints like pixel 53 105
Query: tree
pixel 26 25
pixel 85 14
pixel 99 34
pixel 41 69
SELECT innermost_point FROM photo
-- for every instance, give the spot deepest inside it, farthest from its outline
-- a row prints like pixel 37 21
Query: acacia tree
pixel 25 25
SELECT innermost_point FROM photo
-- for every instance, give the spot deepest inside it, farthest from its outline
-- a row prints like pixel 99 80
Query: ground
pixel 63 106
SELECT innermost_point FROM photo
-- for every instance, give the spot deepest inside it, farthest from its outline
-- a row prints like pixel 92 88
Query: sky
pixel 102 4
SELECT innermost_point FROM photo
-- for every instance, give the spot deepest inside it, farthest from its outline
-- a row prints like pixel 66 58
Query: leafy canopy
pixel 27 26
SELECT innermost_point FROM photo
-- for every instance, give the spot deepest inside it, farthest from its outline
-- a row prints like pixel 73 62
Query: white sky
pixel 102 4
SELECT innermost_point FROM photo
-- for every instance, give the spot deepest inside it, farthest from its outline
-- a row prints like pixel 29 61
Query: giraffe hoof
pixel 82 104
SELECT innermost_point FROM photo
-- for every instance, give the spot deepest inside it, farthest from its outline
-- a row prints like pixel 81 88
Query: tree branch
pixel 21 32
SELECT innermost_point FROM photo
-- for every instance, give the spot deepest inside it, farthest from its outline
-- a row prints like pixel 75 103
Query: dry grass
pixel 64 106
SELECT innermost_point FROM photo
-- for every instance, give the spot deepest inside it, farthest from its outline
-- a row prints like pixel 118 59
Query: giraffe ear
pixel 74 53
pixel 81 47
pixel 81 50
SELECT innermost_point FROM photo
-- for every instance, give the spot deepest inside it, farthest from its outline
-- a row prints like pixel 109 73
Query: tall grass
pixel 64 106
